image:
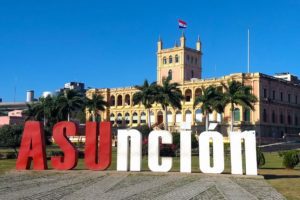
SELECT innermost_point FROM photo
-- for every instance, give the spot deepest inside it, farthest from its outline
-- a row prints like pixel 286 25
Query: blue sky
pixel 44 44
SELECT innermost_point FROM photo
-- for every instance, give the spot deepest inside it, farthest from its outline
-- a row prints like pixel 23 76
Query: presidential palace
pixel 276 113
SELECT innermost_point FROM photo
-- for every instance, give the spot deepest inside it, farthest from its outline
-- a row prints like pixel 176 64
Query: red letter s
pixel 60 132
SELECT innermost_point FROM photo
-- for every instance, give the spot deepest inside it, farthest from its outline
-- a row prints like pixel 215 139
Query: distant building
pixel 75 86
pixel 6 107
pixel 14 117
pixel 47 93
pixel 288 77
pixel 276 113
pixel 29 96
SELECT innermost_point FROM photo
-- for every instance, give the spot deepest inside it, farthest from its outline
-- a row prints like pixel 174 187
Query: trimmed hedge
pixel 290 158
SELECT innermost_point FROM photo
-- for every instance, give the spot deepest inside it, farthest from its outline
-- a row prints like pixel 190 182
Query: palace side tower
pixel 180 63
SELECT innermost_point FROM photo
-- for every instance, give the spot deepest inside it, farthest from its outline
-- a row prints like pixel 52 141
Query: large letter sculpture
pixel 32 147
pixel 236 152
pixel 60 132
pixel 97 151
pixel 135 150
pixel 218 152
pixel 185 148
pixel 153 151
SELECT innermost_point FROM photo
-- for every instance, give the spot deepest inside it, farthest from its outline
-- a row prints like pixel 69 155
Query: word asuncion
pixel 98 150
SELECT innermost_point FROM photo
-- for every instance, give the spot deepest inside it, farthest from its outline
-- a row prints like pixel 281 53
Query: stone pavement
pixel 81 184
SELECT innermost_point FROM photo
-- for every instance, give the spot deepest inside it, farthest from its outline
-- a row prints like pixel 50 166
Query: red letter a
pixel 60 132
pixel 97 157
pixel 32 147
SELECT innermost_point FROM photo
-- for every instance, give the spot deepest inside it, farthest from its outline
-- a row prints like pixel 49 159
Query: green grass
pixel 287 182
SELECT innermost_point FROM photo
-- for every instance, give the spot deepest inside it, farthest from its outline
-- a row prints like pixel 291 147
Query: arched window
pixel 170 117
pixel 127 100
pixel 119 100
pixel 188 95
pixel 170 59
pixel 160 117
pixel 127 118
pixel 152 117
pixel 196 61
pixel 178 117
pixel 143 118
pixel 199 115
pixel 273 117
pixel 176 58
pixel 264 115
pixel 192 73
pixel 281 118
pixel 135 118
pixel 170 74
pixel 247 115
pixel 219 117
pixel 198 92
pixel 236 115
pixel 188 116
pixel 112 101
pixel 220 89
pixel 119 118
pixel 112 118
pixel 192 59
pixel 187 58
pixel 289 119
pixel 211 117
pixel 164 60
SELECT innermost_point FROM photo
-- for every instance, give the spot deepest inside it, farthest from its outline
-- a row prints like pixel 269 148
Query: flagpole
pixel 248 62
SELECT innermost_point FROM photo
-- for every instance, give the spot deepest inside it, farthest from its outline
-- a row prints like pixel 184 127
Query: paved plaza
pixel 82 184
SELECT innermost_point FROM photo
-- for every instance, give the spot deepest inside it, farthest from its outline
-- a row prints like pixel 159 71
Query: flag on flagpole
pixel 182 24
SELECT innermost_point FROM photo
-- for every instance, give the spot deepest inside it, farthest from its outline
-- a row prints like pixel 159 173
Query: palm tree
pixel 145 95
pixel 95 104
pixel 168 94
pixel 34 111
pixel 41 110
pixel 210 100
pixel 69 101
pixel 237 94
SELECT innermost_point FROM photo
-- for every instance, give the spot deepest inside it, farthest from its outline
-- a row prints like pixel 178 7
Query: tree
pixel 168 94
pixel 95 104
pixel 42 110
pixel 210 100
pixel 146 95
pixel 237 94
pixel 67 102
pixel 10 136
pixel 34 111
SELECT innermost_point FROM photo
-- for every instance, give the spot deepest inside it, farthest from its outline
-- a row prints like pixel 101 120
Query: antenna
pixel 248 61
pixel 15 88
pixel 215 69
pixel 15 91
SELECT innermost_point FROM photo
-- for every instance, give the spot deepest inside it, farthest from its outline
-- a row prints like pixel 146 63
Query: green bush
pixel 260 157
pixel 176 140
pixel 11 155
pixel 60 153
pixel 56 153
pixel 290 158
pixel 10 136
pixel 145 130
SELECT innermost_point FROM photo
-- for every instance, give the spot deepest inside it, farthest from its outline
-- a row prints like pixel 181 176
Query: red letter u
pixel 97 156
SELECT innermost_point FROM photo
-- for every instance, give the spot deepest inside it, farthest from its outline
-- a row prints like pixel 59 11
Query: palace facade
pixel 276 113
